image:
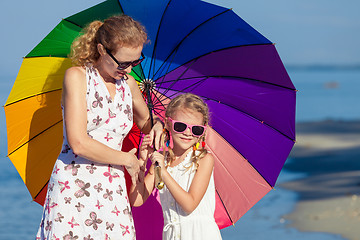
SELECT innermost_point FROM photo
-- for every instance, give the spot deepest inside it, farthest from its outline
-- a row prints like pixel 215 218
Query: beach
pixel 328 153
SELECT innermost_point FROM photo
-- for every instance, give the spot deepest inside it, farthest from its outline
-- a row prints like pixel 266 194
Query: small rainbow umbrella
pixel 194 47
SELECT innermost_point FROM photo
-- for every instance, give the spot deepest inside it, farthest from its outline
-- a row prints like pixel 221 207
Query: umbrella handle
pixel 159 184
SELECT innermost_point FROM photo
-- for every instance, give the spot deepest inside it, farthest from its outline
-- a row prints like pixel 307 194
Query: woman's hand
pixel 133 166
pixel 155 134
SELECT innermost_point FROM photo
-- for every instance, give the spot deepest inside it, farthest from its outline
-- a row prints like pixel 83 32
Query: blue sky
pixel 305 32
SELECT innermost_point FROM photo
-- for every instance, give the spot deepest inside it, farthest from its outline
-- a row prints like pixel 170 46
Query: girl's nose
pixel 188 131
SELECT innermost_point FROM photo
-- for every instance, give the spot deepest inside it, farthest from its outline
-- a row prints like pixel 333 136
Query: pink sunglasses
pixel 180 127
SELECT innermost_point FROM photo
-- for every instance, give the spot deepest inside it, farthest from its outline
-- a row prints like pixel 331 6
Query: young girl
pixel 188 198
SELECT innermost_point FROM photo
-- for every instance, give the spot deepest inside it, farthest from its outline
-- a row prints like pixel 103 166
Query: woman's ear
pixel 101 49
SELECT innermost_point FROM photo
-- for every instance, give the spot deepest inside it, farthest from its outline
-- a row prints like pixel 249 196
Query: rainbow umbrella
pixel 194 47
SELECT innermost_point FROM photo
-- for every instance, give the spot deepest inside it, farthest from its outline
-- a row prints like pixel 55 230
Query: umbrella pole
pixel 159 184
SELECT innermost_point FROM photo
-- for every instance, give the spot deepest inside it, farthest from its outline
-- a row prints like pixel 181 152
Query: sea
pixel 329 93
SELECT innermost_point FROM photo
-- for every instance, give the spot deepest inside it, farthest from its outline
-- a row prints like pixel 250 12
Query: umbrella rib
pixel 188 87
pixel 187 68
pixel 229 76
pixel 39 94
pixel 41 190
pixel 177 47
pixel 121 8
pixel 209 99
pixel 218 50
pixel 34 137
pixel 224 206
pixel 73 23
pixel 158 101
pixel 156 40
pixel 167 70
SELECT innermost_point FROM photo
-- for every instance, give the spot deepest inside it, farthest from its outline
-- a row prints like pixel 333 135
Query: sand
pixel 329 196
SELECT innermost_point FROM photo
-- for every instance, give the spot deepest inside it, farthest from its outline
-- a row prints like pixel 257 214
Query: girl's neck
pixel 180 155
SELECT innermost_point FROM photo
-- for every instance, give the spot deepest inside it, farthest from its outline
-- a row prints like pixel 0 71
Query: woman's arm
pixel 142 116
pixel 75 117
pixel 191 199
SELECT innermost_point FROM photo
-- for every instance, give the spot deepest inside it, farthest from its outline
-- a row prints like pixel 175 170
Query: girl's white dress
pixel 85 199
pixel 200 224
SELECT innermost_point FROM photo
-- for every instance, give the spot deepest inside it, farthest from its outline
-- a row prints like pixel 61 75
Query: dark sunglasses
pixel 180 127
pixel 124 65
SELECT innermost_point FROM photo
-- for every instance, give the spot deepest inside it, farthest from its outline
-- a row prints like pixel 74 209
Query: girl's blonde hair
pixel 194 103
pixel 114 32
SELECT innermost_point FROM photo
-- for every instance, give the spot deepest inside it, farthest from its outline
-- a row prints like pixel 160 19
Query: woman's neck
pixel 105 76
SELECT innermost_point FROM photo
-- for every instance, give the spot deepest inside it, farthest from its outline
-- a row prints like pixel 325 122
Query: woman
pixel 87 196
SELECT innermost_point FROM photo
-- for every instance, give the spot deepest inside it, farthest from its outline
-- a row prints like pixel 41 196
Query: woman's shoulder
pixel 75 76
pixel 130 80
pixel 75 71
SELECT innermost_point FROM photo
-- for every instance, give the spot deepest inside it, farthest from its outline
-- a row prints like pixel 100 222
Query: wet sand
pixel 329 196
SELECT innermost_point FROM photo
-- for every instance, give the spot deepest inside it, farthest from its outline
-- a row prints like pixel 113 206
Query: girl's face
pixel 122 55
pixel 185 140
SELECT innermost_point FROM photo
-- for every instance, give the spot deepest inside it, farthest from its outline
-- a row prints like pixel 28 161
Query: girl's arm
pixel 141 114
pixel 191 199
pixel 139 193
pixel 75 118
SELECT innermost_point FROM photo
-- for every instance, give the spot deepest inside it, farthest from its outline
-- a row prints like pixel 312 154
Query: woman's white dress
pixel 85 199
pixel 200 224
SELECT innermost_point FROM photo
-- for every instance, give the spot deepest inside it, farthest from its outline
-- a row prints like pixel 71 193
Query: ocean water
pixel 323 94
pixel 327 94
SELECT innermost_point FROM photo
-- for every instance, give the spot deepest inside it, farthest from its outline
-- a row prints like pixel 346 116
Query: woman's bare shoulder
pixel 75 72
pixel 74 76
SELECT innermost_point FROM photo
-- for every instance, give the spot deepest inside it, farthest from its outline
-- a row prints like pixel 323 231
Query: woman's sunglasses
pixel 180 127
pixel 124 65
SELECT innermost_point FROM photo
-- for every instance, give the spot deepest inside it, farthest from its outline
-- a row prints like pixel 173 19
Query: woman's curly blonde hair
pixel 116 31
pixel 194 103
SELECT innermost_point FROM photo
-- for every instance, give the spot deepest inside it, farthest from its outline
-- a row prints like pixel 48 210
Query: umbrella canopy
pixel 194 47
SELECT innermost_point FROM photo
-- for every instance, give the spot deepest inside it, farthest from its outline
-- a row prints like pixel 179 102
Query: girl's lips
pixel 186 139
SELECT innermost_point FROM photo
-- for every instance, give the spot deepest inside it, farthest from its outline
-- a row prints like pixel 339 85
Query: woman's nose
pixel 128 69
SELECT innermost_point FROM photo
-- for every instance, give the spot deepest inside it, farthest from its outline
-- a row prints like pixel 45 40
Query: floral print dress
pixel 87 200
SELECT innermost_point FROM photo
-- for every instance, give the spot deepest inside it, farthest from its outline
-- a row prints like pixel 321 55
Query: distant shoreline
pixel 321 67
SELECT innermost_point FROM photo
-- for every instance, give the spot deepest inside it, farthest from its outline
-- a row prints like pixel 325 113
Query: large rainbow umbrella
pixel 194 47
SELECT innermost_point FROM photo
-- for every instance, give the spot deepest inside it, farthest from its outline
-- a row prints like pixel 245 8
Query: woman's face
pixel 185 140
pixel 123 54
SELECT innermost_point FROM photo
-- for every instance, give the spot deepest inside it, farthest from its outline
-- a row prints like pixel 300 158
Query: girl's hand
pixel 155 133
pixel 134 165
pixel 145 148
pixel 158 157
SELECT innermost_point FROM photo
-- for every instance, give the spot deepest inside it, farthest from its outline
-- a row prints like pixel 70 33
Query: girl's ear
pixel 167 124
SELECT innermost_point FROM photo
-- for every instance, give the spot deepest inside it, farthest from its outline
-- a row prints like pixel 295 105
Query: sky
pixel 305 31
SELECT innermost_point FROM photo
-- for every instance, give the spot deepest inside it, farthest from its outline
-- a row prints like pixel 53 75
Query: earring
pixel 203 142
